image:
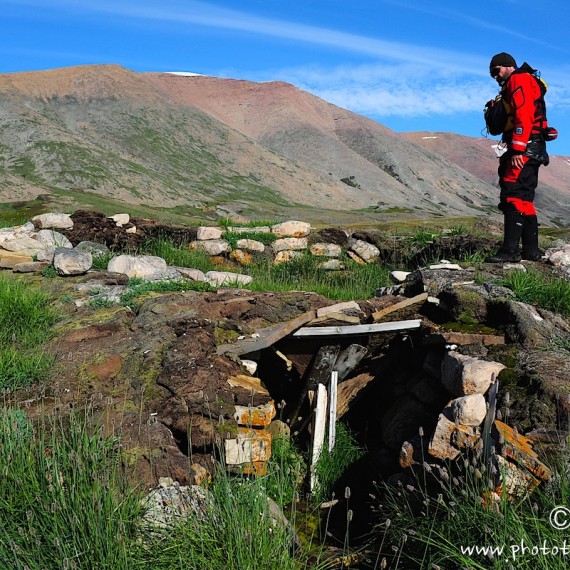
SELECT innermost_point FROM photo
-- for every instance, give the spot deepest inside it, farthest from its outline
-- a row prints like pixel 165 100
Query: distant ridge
pixel 178 140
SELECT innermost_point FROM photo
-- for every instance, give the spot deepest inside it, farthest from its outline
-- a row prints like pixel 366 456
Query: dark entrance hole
pixel 394 391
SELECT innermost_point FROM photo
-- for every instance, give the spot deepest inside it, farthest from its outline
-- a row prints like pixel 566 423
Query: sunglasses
pixel 496 70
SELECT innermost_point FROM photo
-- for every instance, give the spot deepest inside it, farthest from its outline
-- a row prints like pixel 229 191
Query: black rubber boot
pixel 509 251
pixel 530 249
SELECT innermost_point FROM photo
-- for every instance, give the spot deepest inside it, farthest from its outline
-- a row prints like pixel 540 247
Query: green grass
pixel 233 237
pixel 177 256
pixel 303 274
pixel 423 237
pixel 10 218
pixel 26 321
pixel 547 291
pixel 474 257
pixel 441 530
pixel 64 502
pixel 19 369
pixel 237 532
pixel 331 466
pixel 26 314
pixel 300 274
pixel 101 261
pixel 227 222
pixel 286 469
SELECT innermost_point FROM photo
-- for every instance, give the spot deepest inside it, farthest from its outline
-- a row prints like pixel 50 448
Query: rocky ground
pixel 155 375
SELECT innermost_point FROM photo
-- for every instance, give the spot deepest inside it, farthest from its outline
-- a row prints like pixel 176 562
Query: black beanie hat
pixel 503 59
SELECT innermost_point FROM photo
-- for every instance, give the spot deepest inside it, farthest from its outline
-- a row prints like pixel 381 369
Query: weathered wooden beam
pixel 329 359
pixel 323 365
pixel 472 338
pixel 319 373
pixel 333 395
pixel 373 328
pixel 264 338
pixel 349 359
pixel 318 432
pixel 336 318
pixel 378 315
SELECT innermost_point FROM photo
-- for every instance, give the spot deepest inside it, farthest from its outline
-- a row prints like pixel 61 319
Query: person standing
pixel 524 134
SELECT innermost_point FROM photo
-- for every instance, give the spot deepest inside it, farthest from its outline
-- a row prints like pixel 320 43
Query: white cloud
pixel 486 24
pixel 200 13
pixel 405 90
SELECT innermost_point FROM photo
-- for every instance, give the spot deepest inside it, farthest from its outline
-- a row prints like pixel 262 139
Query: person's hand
pixel 517 161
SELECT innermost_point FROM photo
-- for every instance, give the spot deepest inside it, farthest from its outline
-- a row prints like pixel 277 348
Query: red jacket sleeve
pixel 521 92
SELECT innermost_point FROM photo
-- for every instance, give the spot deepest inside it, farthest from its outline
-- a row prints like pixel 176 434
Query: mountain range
pixel 197 144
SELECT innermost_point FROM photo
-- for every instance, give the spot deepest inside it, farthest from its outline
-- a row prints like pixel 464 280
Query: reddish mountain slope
pixel 478 157
pixel 167 140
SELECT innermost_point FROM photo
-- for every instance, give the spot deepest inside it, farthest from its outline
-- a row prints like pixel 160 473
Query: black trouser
pixel 518 185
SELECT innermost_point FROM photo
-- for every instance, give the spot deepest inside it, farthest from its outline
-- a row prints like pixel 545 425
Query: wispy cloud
pixel 411 81
pixel 485 24
pixel 200 13
pixel 401 90
pixel 407 90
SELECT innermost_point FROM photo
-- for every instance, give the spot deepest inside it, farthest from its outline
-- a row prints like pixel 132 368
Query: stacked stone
pixel 292 241
pixel 37 244
pixel 250 448
pixel 460 430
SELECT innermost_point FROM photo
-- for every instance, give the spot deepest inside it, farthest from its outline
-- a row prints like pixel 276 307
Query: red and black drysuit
pixel 523 96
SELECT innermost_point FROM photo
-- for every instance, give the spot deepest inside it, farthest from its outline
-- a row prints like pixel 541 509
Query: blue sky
pixel 408 64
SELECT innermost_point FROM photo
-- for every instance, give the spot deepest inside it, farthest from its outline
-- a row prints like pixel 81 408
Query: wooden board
pixel 264 338
pixel 472 338
pixel 374 328
pixel 378 315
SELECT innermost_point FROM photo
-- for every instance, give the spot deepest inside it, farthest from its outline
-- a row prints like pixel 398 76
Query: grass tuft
pixel 452 523
pixel 547 291
pixel 304 274
pixel 26 321
pixel 331 466
pixel 64 501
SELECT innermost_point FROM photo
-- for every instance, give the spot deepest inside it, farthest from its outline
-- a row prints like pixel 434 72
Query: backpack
pixel 496 112
pixel 496 115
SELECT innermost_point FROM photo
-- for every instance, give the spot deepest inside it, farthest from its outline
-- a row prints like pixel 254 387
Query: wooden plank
pixel 348 306
pixel 250 383
pixel 336 317
pixel 472 338
pixel 349 359
pixel 422 297
pixel 358 329
pixel 323 365
pixel 333 389
pixel 264 338
pixel 319 373
pixel 319 432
